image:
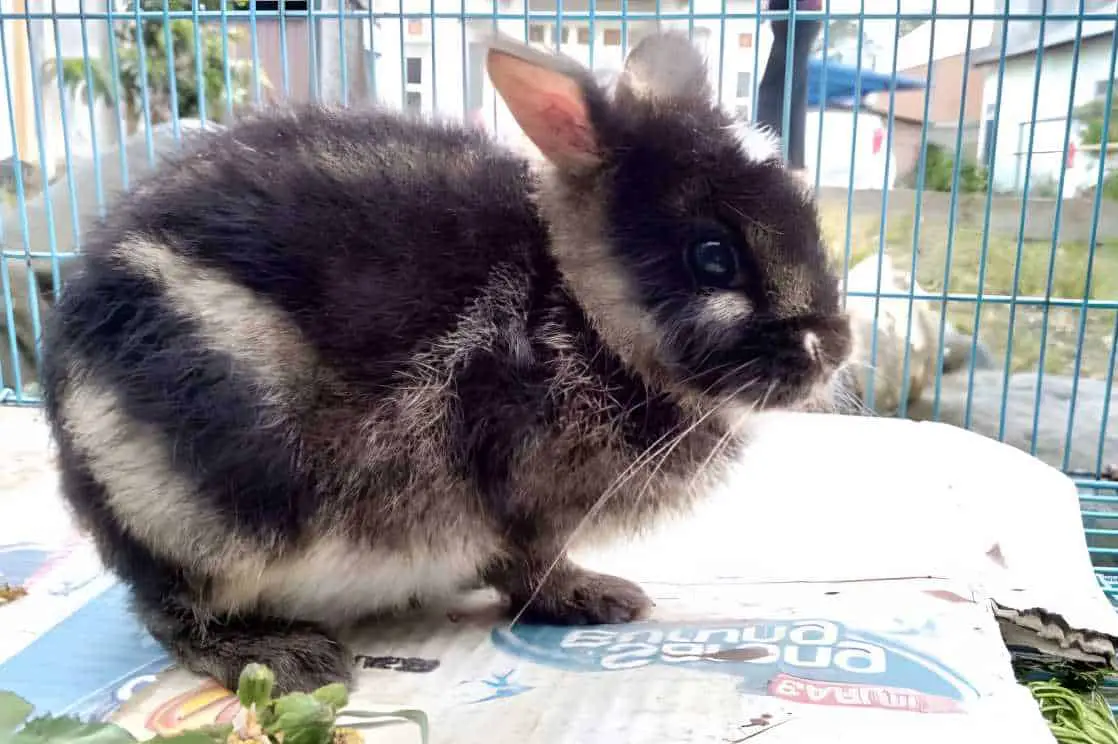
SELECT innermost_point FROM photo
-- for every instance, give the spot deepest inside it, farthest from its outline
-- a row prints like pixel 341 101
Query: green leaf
pixel 418 717
pixel 334 695
pixel 14 710
pixel 302 719
pixel 69 730
pixel 255 685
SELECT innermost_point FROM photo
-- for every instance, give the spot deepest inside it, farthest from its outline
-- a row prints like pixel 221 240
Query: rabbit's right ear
pixel 551 99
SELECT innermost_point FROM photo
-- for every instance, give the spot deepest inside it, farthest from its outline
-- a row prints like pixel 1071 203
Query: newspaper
pixel 855 580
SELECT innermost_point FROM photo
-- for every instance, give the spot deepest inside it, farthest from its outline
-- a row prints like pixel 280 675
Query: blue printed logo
pixel 811 661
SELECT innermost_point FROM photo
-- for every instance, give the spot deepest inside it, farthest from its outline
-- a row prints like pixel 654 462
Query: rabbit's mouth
pixel 776 364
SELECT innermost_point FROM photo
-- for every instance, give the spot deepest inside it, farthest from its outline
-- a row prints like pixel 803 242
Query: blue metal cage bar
pixel 121 74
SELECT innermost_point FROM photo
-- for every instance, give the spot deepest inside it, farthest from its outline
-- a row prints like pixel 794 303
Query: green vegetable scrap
pixel 1075 717
pixel 296 718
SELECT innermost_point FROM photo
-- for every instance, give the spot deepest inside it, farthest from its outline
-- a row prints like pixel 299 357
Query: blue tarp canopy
pixel 842 81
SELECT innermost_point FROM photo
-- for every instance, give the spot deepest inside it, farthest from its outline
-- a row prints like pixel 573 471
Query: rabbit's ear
pixel 666 66
pixel 550 98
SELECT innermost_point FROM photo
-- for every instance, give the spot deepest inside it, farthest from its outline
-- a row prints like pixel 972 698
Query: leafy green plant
pixel 1075 717
pixel 143 62
pixel 1110 187
pixel 939 172
pixel 1091 117
pixel 295 718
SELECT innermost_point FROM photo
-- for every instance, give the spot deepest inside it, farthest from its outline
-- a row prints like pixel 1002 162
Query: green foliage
pixel 296 718
pixel 144 61
pixel 1110 187
pixel 1091 118
pixel 1075 717
pixel 939 172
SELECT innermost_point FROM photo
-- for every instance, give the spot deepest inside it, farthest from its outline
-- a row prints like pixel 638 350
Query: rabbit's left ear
pixel 666 66
pixel 551 98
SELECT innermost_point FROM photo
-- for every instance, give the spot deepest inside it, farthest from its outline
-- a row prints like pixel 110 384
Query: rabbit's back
pixel 248 377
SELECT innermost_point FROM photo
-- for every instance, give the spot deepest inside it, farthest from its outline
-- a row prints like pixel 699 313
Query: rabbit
pixel 330 364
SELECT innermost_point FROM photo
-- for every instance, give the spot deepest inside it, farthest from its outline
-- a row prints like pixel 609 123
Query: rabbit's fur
pixel 333 363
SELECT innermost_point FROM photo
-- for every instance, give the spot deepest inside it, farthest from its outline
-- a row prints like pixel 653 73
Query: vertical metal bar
pixel 254 42
pixel 169 43
pixel 9 296
pixel 343 58
pixel 56 274
pixel 13 345
pixel 199 46
pixel 145 87
pixel 986 219
pixel 494 9
pixel 404 60
pixel 41 137
pixel 226 64
pixel 1021 225
pixel 1051 276
pixel 282 12
pixel 91 100
pixel 592 31
pixel 722 54
pixel 756 81
pixel 373 25
pixel 313 14
pixel 789 63
pixel 881 244
pixel 624 25
pixel 917 212
pixel 822 106
pixel 121 109
pixel 434 66
pixel 853 149
pixel 465 59
pixel 1081 334
pixel 952 213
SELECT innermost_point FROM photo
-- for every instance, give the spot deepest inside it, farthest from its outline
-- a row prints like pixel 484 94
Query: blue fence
pixel 963 180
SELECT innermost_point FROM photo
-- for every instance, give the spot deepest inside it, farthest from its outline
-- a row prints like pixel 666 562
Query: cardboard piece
pixel 852 581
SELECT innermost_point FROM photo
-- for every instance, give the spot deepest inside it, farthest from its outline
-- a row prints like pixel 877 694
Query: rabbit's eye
pixel 714 263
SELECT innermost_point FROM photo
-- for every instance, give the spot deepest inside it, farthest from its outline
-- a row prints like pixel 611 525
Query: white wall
pixel 1055 93
pixel 447 77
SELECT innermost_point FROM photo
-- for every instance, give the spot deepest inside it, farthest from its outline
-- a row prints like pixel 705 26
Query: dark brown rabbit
pixel 333 363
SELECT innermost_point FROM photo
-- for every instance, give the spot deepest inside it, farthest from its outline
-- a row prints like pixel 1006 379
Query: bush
pixel 1110 187
pixel 939 171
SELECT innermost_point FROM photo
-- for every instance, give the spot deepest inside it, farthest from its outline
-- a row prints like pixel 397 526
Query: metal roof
pixel 1023 36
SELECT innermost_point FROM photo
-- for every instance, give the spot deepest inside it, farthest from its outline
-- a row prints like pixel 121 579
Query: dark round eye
pixel 714 263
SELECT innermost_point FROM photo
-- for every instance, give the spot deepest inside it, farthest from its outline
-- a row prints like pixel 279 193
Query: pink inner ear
pixel 548 106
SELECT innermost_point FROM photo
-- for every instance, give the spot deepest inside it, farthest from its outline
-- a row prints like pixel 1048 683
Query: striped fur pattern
pixel 329 364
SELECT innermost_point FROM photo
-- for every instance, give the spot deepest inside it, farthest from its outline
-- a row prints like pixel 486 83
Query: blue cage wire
pixel 95 89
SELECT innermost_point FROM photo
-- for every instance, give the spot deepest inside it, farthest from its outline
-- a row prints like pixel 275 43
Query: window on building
pixel 290 6
pixel 536 33
pixel 745 84
pixel 414 71
pixel 583 35
pixel 415 27
pixel 413 102
pixel 564 35
pixel 1101 88
pixel 611 37
pixel 745 41
pixel 742 111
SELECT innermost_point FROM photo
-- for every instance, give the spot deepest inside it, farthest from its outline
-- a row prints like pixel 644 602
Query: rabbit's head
pixel 695 253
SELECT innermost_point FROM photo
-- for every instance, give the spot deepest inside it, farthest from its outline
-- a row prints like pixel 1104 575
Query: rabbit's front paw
pixel 575 596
